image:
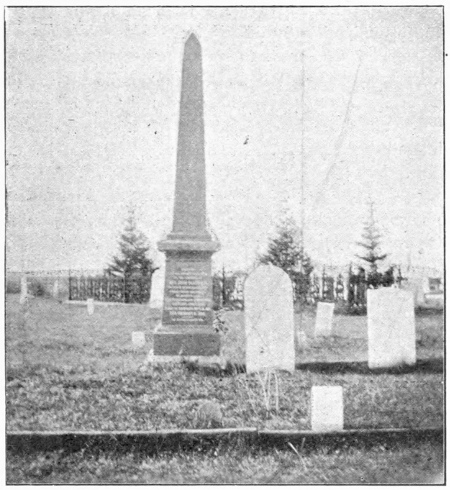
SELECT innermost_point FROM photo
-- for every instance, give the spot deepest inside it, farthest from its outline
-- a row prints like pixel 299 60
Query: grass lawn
pixel 348 342
pixel 102 342
pixel 70 371
pixel 420 464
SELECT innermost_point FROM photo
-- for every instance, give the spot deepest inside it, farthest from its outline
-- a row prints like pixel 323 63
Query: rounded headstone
pixel 269 320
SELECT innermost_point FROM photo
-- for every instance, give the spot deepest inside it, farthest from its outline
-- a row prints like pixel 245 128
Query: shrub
pixel 12 286
pixel 37 288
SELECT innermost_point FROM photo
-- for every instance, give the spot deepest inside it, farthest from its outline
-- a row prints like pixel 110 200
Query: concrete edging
pixel 152 442
pixel 104 303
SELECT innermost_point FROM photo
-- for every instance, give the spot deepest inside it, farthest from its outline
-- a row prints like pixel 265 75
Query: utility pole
pixel 302 156
pixel 302 185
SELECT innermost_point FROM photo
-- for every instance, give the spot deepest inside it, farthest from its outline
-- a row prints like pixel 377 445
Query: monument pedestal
pixel 182 345
pixel 186 331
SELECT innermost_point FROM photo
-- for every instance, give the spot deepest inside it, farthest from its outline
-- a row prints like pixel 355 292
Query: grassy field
pixel 66 369
pixel 419 464
pixel 348 342
pixel 102 342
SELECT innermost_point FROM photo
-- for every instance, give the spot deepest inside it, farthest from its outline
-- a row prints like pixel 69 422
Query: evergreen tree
pixel 371 239
pixel 133 258
pixel 285 251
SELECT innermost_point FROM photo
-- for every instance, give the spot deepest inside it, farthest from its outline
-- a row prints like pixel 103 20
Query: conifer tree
pixel 133 259
pixel 285 251
pixel 371 240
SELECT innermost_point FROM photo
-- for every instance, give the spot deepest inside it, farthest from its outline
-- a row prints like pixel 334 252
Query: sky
pixel 92 103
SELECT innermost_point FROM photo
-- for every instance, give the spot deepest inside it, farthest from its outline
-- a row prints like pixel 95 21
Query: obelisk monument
pixel 186 329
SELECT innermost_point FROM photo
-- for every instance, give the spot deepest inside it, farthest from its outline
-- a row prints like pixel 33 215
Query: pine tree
pixel 371 240
pixel 285 251
pixel 133 258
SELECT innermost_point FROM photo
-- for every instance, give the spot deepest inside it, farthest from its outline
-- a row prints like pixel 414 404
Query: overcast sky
pixel 92 117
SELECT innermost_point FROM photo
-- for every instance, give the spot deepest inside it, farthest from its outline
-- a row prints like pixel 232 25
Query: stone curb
pixel 105 303
pixel 153 442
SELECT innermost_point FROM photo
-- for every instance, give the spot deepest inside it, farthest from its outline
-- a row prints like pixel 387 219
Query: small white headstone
pixel 56 289
pixel 324 319
pixel 157 290
pixel 23 290
pixel 391 328
pixel 90 306
pixel 269 320
pixel 327 408
pixel 138 339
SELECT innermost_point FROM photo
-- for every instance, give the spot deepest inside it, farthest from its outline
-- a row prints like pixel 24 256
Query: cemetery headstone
pixel 269 320
pixel 138 339
pixel 187 319
pixel 56 289
pixel 90 306
pixel 157 291
pixel 23 290
pixel 391 328
pixel 327 408
pixel 324 319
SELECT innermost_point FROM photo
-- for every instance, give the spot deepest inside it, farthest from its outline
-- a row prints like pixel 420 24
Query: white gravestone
pixel 90 306
pixel 327 408
pixel 56 289
pixel 138 339
pixel 391 328
pixel 324 319
pixel 23 290
pixel 269 320
pixel 157 290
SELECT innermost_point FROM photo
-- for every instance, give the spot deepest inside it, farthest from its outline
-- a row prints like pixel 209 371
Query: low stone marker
pixel 269 320
pixel 55 292
pixel 23 290
pixel 90 306
pixel 324 319
pixel 327 408
pixel 391 328
pixel 138 339
pixel 157 290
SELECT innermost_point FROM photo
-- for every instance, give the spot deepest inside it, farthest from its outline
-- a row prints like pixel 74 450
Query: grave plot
pixel 65 369
pixel 307 114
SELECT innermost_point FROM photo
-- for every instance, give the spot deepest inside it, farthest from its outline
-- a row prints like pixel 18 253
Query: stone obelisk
pixel 186 329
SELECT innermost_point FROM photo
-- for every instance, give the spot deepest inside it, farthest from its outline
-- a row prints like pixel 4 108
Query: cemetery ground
pixel 414 464
pixel 69 371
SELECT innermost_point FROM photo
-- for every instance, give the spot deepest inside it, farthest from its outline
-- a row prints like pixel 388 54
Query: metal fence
pixel 228 291
pixel 110 289
pixel 346 290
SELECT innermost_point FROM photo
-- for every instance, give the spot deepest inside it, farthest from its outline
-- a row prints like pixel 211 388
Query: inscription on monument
pixel 188 292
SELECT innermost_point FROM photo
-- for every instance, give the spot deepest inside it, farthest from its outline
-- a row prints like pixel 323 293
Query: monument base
pixel 206 361
pixel 185 345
